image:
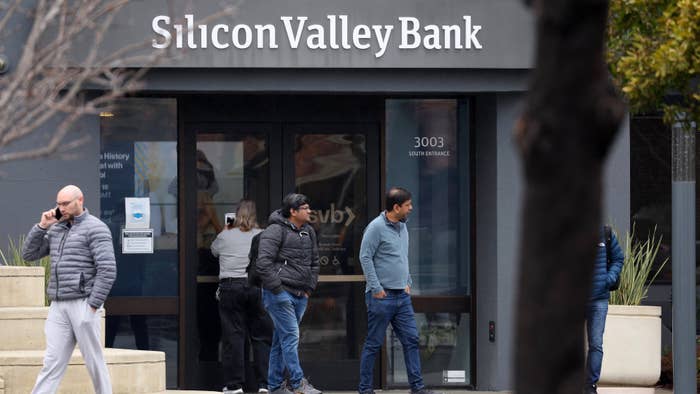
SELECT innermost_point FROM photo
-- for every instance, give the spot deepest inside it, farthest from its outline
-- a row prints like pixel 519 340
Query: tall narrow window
pixel 427 153
pixel 138 158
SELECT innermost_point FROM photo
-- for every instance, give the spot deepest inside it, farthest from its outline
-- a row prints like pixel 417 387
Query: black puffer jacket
pixel 295 266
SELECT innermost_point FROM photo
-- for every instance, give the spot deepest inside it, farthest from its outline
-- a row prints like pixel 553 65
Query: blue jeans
pixel 396 309
pixel 596 312
pixel 286 311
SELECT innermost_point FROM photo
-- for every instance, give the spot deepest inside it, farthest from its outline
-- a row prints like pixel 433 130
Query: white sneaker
pixel 263 390
pixel 236 391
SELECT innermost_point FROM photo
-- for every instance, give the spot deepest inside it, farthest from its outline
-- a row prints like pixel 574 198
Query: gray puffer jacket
pixel 82 258
pixel 295 266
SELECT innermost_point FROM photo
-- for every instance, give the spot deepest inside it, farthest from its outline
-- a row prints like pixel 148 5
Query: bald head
pixel 70 201
pixel 70 191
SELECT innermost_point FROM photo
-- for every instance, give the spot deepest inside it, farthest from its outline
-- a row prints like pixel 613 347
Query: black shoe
pixel 590 389
pixel 425 391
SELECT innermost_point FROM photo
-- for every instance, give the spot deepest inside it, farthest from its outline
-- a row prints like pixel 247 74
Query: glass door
pixel 226 163
pixel 337 167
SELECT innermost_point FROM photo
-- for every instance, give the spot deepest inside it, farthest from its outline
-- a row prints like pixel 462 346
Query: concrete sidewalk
pixel 601 390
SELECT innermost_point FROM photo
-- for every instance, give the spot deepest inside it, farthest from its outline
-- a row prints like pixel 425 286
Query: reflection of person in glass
pixel 384 260
pixel 208 226
pixel 240 307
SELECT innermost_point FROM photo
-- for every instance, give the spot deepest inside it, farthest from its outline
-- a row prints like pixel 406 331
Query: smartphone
pixel 58 214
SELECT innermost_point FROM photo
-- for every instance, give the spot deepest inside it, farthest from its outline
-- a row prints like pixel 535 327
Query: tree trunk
pixel 571 117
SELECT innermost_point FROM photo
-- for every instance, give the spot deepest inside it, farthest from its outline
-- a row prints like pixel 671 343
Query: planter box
pixel 632 346
pixel 21 286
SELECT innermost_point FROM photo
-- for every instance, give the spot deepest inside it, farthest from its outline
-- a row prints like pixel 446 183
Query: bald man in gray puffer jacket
pixel 83 270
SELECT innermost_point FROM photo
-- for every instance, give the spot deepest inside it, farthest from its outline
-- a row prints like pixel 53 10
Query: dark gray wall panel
pixel 29 187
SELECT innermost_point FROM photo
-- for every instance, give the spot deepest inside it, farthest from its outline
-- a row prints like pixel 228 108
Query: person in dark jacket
pixel 604 276
pixel 288 265
pixel 83 270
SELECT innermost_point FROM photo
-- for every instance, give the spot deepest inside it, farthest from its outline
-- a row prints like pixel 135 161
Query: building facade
pixel 337 100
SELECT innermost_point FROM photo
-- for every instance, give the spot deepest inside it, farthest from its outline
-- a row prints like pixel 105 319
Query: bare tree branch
pixel 48 83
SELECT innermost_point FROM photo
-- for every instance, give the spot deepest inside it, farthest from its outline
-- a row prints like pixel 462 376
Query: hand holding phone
pixel 50 217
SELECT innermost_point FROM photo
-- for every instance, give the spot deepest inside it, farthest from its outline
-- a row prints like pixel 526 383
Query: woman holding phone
pixel 240 306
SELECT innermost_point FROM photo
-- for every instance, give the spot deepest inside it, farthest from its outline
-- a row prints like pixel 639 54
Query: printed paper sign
pixel 138 212
pixel 137 241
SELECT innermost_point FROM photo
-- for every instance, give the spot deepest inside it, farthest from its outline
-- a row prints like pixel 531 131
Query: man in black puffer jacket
pixel 288 265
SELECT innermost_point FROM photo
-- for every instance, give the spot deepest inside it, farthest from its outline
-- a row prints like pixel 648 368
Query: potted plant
pixel 632 338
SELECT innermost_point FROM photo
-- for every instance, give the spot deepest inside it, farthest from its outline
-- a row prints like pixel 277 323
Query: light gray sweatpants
pixel 67 322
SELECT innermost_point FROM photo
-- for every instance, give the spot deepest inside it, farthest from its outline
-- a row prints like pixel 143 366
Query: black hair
pixel 293 201
pixel 396 195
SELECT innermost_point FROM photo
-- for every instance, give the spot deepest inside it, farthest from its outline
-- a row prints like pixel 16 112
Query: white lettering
pixel 293 38
pixel 178 36
pixel 316 40
pixel 447 29
pixel 155 25
pixel 336 33
pixel 432 38
pixel 331 32
pixel 215 36
pixel 202 36
pixel 360 32
pixel 247 36
pixel 383 41
pixel 270 29
pixel 344 31
pixel 190 31
pixel 470 32
pixel 406 31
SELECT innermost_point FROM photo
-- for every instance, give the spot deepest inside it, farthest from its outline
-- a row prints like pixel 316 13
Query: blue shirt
pixel 384 255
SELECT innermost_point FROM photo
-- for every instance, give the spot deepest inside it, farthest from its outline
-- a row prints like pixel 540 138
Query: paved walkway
pixel 601 390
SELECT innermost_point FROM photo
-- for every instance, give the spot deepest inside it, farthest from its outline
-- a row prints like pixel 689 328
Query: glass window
pixel 444 350
pixel 650 183
pixel 422 156
pixel 138 158
pixel 147 333
pixel 331 170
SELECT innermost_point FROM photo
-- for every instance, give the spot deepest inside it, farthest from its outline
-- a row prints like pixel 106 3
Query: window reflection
pixel 331 170
pixel 147 333
pixel 444 350
pixel 650 184
pixel 422 156
pixel 131 166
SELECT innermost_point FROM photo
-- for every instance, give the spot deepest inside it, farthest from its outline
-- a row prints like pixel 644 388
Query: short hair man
pixel 384 260
pixel 83 270
pixel 288 265
pixel 604 276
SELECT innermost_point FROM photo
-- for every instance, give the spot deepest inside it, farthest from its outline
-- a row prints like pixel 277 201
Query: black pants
pixel 242 317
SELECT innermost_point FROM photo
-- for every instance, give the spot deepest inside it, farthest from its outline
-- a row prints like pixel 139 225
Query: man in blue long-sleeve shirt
pixel 384 259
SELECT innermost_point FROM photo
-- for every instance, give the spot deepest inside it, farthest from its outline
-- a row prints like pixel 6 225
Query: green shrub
pixel 13 256
pixel 636 275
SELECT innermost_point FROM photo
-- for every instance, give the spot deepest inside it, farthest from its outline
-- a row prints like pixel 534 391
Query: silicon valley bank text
pixel 335 33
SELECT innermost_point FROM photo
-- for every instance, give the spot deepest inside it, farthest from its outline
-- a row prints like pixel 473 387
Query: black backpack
pixel 608 242
pixel 253 277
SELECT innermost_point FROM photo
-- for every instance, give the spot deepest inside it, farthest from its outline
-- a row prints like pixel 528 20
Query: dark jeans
pixel 596 312
pixel 395 309
pixel 286 311
pixel 242 316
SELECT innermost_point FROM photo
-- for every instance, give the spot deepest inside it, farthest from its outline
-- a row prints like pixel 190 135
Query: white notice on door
pixel 137 241
pixel 454 376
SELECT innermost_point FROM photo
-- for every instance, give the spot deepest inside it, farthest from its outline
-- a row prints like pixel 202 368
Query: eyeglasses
pixel 64 204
